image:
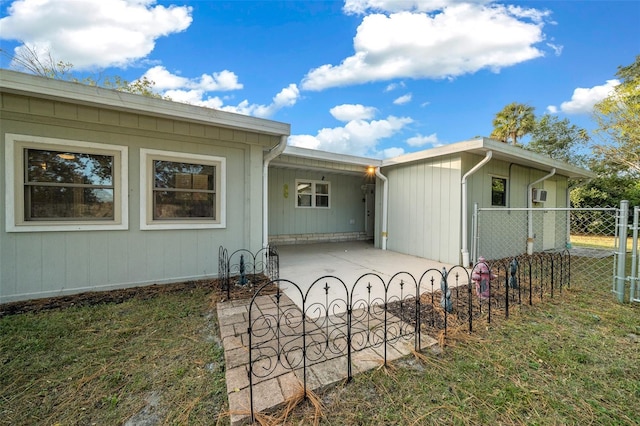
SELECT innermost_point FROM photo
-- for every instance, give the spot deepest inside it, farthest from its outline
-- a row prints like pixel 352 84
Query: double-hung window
pixel 181 191
pixel 64 185
pixel 311 193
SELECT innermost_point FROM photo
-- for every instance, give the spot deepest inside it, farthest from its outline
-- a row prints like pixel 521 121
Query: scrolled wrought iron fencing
pixel 245 268
pixel 293 328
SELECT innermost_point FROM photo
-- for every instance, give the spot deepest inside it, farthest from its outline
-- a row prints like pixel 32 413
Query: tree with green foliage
pixel 513 122
pixel 618 118
pixel 559 139
pixel 616 160
pixel 33 61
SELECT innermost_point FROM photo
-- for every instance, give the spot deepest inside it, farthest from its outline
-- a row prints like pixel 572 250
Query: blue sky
pixel 373 78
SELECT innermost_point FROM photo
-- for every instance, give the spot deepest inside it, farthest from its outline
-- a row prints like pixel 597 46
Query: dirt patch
pixel 141 293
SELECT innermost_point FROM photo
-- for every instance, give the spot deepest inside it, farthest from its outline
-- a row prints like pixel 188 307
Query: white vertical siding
pixel 424 208
pixel 345 201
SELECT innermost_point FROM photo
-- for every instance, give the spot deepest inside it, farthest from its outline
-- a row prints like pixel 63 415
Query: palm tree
pixel 513 122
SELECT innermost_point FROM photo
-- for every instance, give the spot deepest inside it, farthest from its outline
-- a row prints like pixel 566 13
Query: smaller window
pixel 311 193
pixel 498 192
pixel 181 191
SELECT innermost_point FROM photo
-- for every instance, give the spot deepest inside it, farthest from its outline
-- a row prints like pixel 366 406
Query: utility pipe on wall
pixel 385 204
pixel 530 212
pixel 273 153
pixel 465 243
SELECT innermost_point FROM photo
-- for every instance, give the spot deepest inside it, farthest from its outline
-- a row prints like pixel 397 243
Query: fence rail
pixel 301 327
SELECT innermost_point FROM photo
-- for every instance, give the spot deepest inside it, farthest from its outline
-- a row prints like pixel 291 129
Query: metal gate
pixel 603 242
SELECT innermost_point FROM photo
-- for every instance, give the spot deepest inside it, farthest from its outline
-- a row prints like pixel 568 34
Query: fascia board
pixel 25 84
pixel 501 151
pixel 314 154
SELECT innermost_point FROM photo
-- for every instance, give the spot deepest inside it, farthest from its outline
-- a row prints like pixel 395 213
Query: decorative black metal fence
pixel 293 328
pixel 245 268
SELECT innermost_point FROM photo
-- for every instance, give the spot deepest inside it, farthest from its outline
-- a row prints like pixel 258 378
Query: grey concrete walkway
pixel 278 378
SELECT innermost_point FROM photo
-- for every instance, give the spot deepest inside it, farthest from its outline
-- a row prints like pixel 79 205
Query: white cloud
pixel 394 86
pixel 357 137
pixel 349 112
pixel 584 99
pixel 462 38
pixel 285 98
pixel 194 91
pixel 557 48
pixel 360 7
pixel 419 140
pixel 93 34
pixel 392 152
pixel 403 99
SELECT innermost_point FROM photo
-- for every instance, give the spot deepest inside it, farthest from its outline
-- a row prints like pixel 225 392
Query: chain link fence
pixel 590 235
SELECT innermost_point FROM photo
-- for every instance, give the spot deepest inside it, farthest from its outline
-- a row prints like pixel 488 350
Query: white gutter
pixel 465 243
pixel 385 204
pixel 530 212
pixel 273 153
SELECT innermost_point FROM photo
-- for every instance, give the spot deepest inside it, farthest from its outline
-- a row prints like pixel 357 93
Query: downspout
pixel 530 211
pixel 385 204
pixel 465 243
pixel 273 153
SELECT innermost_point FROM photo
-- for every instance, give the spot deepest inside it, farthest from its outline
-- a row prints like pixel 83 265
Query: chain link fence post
pixel 623 225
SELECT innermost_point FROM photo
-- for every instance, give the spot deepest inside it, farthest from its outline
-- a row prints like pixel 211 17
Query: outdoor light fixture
pixel 371 170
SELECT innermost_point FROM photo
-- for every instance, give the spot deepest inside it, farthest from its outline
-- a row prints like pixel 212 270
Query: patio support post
pixel 465 216
pixel 385 206
pixel 273 153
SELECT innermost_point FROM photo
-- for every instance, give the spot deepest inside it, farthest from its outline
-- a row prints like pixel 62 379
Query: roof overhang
pixel 501 151
pixel 77 93
pixel 323 161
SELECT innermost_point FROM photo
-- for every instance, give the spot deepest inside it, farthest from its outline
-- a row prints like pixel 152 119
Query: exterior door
pixel 369 209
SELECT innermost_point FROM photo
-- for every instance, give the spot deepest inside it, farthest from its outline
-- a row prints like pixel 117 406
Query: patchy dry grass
pixel 157 359
pixel 570 360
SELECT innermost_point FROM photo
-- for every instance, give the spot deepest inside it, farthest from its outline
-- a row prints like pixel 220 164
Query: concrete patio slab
pixel 359 269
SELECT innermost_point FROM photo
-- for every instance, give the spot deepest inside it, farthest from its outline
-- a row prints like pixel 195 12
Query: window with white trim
pixel 181 191
pixel 313 194
pixel 64 185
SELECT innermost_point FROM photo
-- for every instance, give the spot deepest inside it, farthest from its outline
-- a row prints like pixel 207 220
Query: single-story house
pixel 105 190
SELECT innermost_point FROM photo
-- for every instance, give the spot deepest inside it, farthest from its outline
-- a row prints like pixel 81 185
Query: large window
pixel 310 193
pixel 498 192
pixel 181 190
pixel 62 185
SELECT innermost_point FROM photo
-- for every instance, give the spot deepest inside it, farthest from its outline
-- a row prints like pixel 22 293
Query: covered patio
pixel 356 268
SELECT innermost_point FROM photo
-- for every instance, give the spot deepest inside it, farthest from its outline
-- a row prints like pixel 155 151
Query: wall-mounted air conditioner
pixel 539 195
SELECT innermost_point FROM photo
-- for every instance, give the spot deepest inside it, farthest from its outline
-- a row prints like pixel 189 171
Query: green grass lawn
pixel 597 241
pixel 570 360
